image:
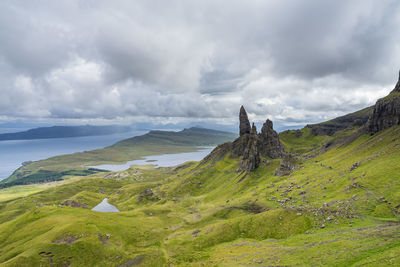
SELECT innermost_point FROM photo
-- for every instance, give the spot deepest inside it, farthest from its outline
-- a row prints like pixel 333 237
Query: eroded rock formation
pixel 251 145
pixel 244 124
pixel 269 143
pixel 251 156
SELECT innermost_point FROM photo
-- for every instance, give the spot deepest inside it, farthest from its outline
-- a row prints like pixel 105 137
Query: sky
pixel 99 62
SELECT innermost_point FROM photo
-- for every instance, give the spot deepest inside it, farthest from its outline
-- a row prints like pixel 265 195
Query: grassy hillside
pixel 338 208
pixel 152 143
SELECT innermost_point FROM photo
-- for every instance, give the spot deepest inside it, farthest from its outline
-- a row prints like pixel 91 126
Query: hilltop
pixel 298 198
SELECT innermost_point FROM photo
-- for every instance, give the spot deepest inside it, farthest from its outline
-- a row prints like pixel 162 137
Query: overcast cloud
pixel 295 62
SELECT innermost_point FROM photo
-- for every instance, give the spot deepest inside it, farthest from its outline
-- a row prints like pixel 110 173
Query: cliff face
pixel 386 111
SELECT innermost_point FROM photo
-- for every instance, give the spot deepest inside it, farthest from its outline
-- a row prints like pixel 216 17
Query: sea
pixel 14 153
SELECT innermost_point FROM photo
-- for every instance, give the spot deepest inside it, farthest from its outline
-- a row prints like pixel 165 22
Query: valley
pixel 333 200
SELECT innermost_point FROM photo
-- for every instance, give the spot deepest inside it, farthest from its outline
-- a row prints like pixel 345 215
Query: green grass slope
pixel 338 208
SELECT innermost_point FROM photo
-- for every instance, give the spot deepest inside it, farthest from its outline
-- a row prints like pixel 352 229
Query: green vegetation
pixel 339 207
pixel 301 141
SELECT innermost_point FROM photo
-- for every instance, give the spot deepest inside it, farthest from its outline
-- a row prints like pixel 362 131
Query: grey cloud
pixel 292 61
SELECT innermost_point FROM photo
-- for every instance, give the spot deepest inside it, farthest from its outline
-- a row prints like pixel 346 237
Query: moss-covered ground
pixel 338 208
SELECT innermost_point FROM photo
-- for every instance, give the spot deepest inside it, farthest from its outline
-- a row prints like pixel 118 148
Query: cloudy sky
pixel 295 62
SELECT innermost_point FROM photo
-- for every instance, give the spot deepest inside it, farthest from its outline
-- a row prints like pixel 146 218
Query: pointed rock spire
pixel 269 142
pixel 244 127
pixel 252 145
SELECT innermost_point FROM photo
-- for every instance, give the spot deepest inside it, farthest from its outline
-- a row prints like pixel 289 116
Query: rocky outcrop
pixel 269 143
pixel 250 145
pixel 287 165
pixel 386 111
pixel 251 156
pixel 147 194
pixel 244 124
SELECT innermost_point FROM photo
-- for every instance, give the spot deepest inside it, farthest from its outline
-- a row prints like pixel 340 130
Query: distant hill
pixel 152 143
pixel 64 131
pixel 194 136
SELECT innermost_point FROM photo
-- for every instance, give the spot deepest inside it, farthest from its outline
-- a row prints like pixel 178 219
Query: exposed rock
pixel 354 166
pixel 148 192
pixel 148 195
pixel 104 238
pixel 269 144
pixel 195 233
pixel 68 239
pixel 288 164
pixel 250 145
pixel 74 204
pixel 251 156
pixel 244 124
pixel 239 145
pixel 386 111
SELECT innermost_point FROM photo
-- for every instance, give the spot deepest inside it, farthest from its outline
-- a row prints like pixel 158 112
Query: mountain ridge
pixel 64 131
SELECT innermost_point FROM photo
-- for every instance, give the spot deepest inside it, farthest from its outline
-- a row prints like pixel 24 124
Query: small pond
pixel 104 206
